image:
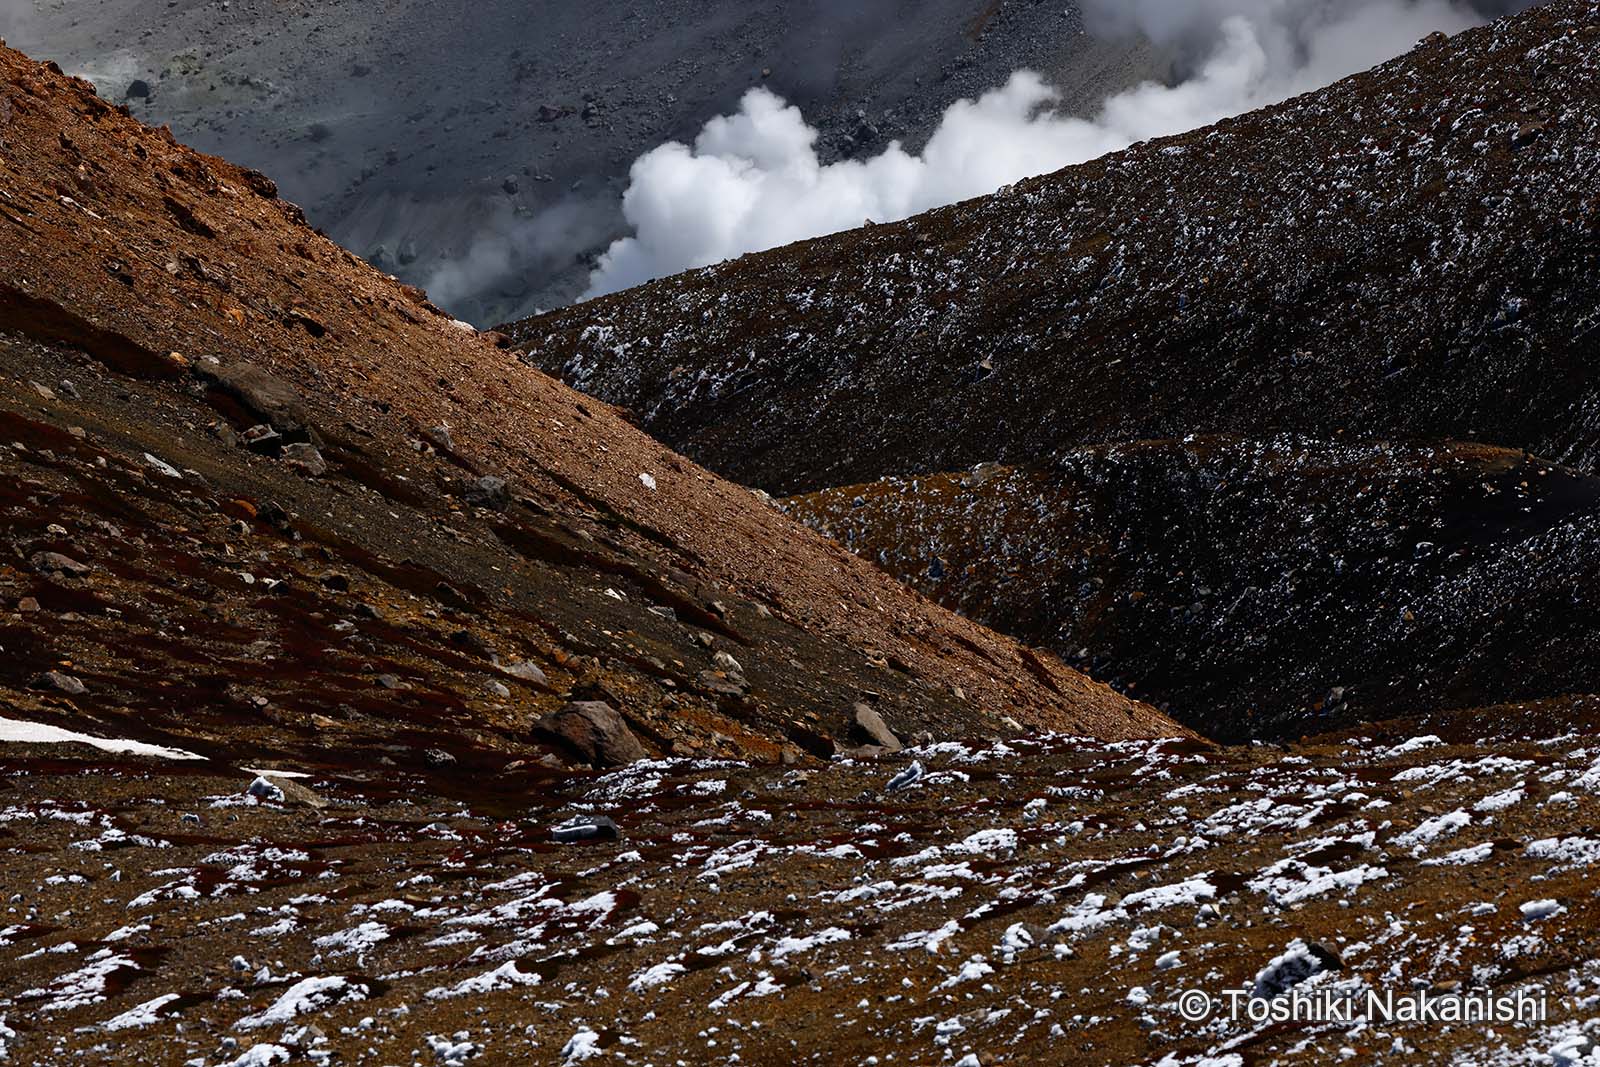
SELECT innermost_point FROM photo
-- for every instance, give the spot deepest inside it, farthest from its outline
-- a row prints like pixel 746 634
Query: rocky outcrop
pixel 1263 588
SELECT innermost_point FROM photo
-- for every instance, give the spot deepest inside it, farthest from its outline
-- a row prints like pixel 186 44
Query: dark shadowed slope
pixel 252 500
pixel 1258 588
pixel 1412 252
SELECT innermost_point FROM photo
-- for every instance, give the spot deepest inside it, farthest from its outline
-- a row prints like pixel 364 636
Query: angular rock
pixel 56 563
pixel 718 684
pixel 490 491
pixel 262 438
pixel 275 789
pixel 267 397
pixel 262 789
pixel 306 458
pixel 161 466
pixel 61 683
pixel 586 828
pixel 594 730
pixel 295 793
pixel 870 723
pixel 526 671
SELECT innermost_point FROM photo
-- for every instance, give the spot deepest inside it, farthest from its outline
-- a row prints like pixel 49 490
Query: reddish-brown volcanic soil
pixel 187 306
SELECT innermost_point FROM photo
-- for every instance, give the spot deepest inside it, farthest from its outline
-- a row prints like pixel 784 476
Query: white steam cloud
pixel 753 180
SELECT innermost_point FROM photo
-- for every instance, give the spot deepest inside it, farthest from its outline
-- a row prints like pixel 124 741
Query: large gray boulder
pixel 594 730
pixel 870 723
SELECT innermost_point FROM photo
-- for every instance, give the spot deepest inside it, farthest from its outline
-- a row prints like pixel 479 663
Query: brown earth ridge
pixel 266 463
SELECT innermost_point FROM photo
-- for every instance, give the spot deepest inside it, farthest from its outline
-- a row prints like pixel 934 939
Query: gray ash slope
pixel 484 156
pixel 1410 252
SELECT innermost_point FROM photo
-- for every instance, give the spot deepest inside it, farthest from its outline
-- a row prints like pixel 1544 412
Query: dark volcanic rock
pixel 61 683
pixel 1256 588
pixel 586 828
pixel 57 563
pixel 906 778
pixel 489 491
pixel 1297 963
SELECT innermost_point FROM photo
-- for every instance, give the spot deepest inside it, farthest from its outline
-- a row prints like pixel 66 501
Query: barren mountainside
pixel 368 696
pixel 257 490
pixel 1297 412
pixel 1261 588
pixel 1407 253
pixel 485 156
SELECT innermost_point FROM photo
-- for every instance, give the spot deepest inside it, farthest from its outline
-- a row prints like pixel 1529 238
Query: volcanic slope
pixel 1411 252
pixel 486 157
pixel 1257 588
pixel 260 499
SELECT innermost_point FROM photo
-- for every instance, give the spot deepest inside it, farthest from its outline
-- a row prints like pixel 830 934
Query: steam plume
pixel 753 180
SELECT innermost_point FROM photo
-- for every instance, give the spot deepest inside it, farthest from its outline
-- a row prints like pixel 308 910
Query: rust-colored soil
pixel 618 568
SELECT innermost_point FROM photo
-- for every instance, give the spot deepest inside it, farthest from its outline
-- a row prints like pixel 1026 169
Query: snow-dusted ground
pixel 1020 902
